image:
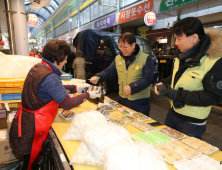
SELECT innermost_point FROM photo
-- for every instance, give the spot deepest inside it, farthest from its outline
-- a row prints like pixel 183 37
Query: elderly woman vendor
pixel 42 94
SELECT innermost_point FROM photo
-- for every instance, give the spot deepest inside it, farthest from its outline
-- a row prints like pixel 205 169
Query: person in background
pixel 196 82
pixel 79 65
pixel 42 94
pixel 68 65
pixel 38 55
pixel 32 53
pixel 135 70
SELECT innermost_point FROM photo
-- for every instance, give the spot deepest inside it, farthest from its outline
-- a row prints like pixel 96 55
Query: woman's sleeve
pixel 71 102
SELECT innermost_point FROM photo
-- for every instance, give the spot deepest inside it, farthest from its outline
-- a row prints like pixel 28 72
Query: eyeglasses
pixel 123 47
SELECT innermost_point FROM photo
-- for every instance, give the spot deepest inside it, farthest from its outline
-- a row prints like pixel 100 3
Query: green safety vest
pixel 191 80
pixel 134 73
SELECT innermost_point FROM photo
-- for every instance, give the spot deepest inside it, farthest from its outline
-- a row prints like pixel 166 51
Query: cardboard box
pixel 10 117
pixel 3 123
pixel 2 106
pixel 6 152
pixel 2 114
pixel 9 124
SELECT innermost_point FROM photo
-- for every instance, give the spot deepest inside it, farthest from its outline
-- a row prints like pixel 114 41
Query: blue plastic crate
pixel 66 76
pixel 12 96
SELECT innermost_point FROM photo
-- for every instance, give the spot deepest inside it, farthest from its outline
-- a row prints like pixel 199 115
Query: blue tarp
pixel 88 41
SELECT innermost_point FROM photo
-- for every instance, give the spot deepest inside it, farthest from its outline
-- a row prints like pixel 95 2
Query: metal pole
pixel 20 27
pixel 10 27
pixel 69 22
pixel 118 27
pixel 53 30
pixel 78 15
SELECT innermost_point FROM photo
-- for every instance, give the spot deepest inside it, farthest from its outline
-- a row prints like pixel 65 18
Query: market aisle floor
pixel 160 107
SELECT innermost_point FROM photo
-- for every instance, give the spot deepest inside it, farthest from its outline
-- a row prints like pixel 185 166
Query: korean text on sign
pixel 135 12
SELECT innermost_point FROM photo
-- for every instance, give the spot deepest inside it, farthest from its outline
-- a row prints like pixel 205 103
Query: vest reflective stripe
pixel 191 80
pixel 133 74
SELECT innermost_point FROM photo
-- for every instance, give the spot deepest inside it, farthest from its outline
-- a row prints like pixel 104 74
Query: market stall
pixel 61 125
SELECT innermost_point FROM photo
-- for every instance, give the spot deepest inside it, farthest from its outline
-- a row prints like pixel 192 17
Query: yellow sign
pixel 13 105
pixel 142 31
pixel 163 61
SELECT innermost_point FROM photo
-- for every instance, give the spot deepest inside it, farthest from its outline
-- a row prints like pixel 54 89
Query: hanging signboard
pixel 32 41
pixel 33 20
pixel 135 12
pixel 150 18
pixel 171 4
pixel 105 22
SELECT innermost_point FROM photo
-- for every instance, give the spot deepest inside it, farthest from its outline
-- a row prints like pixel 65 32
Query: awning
pixel 158 33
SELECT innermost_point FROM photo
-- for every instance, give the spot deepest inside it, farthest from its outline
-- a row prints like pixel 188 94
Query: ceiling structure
pixel 42 13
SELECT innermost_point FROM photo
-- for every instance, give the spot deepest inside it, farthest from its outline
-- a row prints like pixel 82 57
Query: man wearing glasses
pixel 135 70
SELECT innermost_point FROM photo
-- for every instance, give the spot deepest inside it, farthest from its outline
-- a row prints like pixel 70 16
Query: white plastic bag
pixel 96 140
pixel 81 122
pixel 139 156
pixel 14 66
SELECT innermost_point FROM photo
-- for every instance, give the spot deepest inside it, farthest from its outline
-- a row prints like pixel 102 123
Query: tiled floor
pixel 160 107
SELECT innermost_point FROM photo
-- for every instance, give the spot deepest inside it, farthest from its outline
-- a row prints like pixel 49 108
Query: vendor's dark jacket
pixel 23 144
pixel 212 81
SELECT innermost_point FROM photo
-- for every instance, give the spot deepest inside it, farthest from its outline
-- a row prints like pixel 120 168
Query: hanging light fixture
pixel 168 26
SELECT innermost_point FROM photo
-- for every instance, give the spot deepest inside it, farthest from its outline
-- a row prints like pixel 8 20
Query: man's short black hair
pixel 189 26
pixel 127 37
pixel 56 50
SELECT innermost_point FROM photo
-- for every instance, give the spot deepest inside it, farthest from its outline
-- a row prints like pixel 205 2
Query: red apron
pixel 43 120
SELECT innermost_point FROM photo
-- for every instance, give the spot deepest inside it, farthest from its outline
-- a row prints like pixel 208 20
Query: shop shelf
pixel 12 82
pixel 11 96
pixel 66 76
pixel 10 90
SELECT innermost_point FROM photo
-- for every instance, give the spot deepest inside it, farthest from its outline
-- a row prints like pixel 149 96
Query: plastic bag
pixel 96 140
pixel 81 122
pixel 139 156
pixel 14 66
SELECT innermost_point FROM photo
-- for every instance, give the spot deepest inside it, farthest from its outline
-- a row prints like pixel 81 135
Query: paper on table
pixel 3 134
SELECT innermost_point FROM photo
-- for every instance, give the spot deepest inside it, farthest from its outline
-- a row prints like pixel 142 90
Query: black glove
pixel 170 93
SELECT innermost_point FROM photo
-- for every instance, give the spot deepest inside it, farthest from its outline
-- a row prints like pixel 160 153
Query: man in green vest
pixel 135 70
pixel 196 82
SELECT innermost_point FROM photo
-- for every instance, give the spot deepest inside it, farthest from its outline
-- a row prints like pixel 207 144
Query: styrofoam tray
pixel 151 127
pixel 123 109
pixel 183 135
pixel 105 113
pixel 169 154
pixel 144 116
pixel 215 148
pixel 160 132
pixel 66 118
pixel 156 142
pixel 122 117
pixel 115 122
pixel 101 105
pixel 198 153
